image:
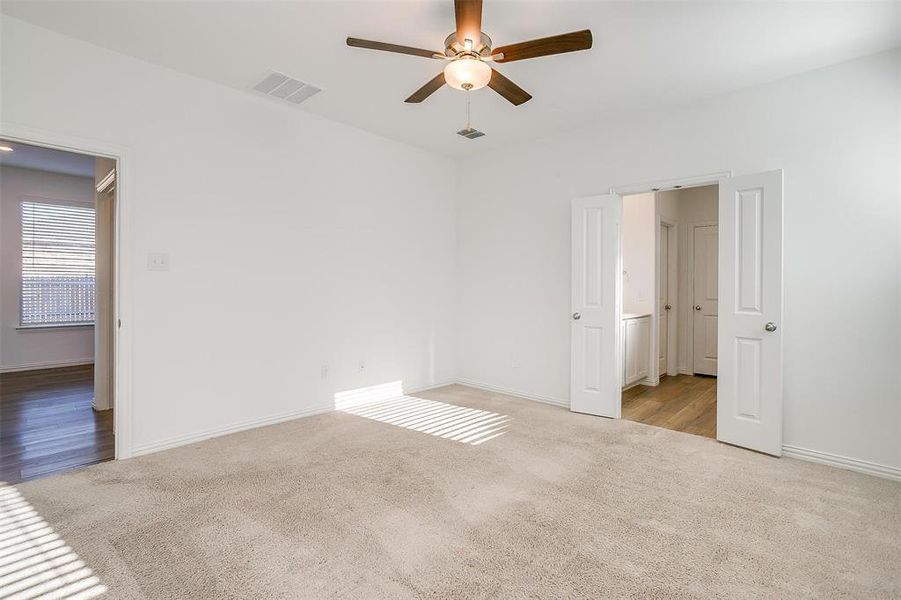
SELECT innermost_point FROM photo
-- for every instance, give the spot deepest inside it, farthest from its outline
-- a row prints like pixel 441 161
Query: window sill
pixel 54 326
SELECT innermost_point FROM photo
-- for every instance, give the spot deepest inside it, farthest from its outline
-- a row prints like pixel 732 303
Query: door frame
pixel 672 283
pixel 756 182
pixel 123 275
pixel 719 179
pixel 659 185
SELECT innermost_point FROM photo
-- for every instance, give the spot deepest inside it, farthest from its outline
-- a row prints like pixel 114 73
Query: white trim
pixel 842 462
pixel 510 392
pixel 424 388
pixel 825 458
pixel 655 187
pixel 53 364
pixel 40 326
pixel 672 322
pixel 122 280
pixel 669 184
pixel 191 438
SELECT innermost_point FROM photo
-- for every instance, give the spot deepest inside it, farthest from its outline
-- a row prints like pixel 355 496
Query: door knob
pixel 770 326
pixel 576 316
pixel 697 307
pixel 667 307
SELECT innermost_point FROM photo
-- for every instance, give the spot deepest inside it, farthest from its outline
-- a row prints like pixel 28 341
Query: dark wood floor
pixel 680 402
pixel 47 424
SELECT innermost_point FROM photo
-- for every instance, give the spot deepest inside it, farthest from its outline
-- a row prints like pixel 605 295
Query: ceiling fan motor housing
pixel 453 47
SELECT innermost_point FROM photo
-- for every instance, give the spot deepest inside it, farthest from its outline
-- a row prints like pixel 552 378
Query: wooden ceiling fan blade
pixel 371 45
pixel 469 20
pixel 427 90
pixel 509 90
pixel 556 44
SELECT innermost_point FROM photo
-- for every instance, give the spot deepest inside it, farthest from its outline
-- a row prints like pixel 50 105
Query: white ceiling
pixel 27 156
pixel 645 54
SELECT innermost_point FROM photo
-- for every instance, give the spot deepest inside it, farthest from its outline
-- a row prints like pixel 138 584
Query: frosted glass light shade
pixel 467 71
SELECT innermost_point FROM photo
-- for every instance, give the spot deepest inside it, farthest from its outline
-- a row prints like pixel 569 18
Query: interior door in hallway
pixel 705 300
pixel 596 368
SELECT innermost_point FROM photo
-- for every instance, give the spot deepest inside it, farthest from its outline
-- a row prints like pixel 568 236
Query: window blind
pixel 57 264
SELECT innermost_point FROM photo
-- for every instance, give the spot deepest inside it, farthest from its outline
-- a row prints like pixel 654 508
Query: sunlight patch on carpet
pixel 386 403
pixel 35 563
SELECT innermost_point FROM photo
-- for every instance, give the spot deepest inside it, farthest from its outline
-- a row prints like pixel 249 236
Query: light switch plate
pixel 157 261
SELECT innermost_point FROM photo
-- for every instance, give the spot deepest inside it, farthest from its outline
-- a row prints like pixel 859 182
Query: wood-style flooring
pixel 47 424
pixel 680 402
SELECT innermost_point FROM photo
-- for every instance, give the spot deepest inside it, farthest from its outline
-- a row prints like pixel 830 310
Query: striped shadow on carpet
pixel 386 403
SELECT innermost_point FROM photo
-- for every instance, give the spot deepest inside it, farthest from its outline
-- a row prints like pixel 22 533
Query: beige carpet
pixel 516 500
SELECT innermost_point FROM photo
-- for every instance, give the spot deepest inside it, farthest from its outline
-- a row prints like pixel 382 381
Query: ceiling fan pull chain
pixel 468 120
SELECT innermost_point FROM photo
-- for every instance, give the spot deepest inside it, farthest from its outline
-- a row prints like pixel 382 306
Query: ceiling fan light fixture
pixel 467 48
pixel 467 73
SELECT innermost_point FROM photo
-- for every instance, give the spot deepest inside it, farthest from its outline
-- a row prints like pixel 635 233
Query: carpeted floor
pixel 419 499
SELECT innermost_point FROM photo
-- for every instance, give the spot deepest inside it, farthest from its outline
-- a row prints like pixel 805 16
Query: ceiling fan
pixel 468 50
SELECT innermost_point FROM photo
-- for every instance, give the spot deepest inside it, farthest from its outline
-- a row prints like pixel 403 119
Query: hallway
pixel 684 403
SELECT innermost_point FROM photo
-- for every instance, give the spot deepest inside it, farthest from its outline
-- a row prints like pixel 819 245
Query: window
pixel 57 264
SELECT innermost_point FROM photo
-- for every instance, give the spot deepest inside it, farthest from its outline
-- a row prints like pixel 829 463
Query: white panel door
pixel 749 388
pixel 596 370
pixel 705 298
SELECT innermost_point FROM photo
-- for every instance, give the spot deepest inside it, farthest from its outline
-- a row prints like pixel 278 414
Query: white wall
pixel 33 348
pixel 639 223
pixel 835 134
pixel 294 242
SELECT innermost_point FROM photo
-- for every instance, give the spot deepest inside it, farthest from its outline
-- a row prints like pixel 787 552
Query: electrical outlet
pixel 362 366
pixel 157 261
pixel 324 371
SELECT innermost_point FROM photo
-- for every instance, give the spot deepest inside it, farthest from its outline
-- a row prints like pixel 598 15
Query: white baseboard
pixel 52 364
pixel 843 462
pixel 424 388
pixel 191 438
pixel 510 392
pixel 825 458
pixel 220 431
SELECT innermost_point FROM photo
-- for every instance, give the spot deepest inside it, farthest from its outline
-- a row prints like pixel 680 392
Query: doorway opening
pixel 747 346
pixel 670 308
pixel 58 309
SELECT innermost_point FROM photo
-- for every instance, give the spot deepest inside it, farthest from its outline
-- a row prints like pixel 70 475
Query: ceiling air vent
pixel 470 133
pixel 286 88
